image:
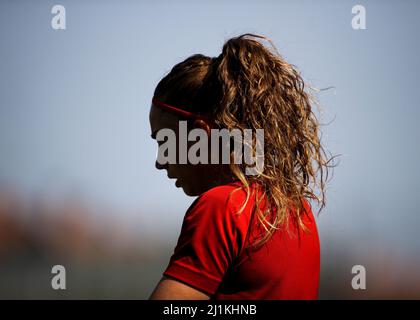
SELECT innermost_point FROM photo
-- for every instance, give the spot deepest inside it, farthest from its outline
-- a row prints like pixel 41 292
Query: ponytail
pixel 250 86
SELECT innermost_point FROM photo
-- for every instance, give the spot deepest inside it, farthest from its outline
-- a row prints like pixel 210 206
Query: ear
pixel 201 124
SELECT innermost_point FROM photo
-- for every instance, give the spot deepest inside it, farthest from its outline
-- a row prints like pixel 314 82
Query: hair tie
pixel 178 111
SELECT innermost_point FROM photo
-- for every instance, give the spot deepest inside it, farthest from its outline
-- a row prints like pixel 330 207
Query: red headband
pixel 181 112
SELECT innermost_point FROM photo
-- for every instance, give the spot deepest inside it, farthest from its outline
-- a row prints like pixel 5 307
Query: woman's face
pixel 193 179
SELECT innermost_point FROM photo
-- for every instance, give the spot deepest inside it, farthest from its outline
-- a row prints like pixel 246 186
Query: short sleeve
pixel 212 236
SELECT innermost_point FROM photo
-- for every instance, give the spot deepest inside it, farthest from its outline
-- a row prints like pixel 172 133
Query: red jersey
pixel 210 254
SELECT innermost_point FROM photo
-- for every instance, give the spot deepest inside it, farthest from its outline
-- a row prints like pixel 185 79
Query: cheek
pixel 186 172
pixel 178 171
pixel 183 170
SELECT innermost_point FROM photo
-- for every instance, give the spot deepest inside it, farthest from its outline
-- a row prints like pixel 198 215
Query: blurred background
pixel 78 185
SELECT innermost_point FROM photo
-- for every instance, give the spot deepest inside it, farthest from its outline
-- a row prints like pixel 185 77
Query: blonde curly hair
pixel 250 86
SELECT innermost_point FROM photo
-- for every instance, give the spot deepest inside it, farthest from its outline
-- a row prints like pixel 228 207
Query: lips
pixel 177 183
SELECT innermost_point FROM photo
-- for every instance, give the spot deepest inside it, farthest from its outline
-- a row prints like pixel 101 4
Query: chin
pixel 189 192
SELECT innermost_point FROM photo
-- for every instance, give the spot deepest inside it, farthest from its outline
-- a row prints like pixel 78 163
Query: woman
pixel 245 236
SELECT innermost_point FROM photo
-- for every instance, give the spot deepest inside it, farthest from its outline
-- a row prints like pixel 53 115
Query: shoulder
pixel 228 197
pixel 220 207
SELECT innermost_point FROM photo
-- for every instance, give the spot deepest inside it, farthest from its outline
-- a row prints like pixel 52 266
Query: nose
pixel 160 166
